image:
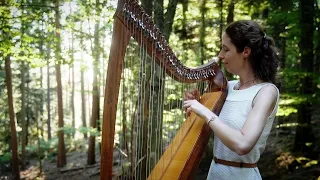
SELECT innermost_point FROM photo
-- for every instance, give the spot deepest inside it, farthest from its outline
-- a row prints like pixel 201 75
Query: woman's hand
pixel 196 107
pixel 192 94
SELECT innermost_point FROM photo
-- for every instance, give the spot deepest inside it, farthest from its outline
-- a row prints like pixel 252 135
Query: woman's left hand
pixel 196 107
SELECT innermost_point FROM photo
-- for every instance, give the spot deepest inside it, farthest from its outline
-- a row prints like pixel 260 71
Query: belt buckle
pixel 241 164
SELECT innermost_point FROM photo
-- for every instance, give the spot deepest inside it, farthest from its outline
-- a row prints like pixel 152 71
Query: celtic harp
pixel 180 157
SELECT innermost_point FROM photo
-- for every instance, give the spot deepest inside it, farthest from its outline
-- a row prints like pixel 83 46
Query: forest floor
pixel 277 162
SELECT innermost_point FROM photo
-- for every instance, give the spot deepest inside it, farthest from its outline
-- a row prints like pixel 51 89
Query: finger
pixel 189 109
pixel 194 91
pixel 196 94
pixel 185 106
pixel 186 103
pixel 189 96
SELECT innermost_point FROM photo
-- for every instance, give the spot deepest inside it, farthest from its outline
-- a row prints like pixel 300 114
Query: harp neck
pixel 145 32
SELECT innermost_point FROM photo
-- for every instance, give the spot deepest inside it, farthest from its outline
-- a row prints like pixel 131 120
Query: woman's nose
pixel 220 56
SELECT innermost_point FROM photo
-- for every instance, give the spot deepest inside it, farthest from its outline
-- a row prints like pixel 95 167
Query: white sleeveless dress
pixel 234 113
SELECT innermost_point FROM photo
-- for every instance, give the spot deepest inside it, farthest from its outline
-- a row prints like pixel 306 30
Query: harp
pixel 182 156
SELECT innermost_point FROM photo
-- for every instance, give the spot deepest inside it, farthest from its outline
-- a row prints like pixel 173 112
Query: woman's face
pixel 232 60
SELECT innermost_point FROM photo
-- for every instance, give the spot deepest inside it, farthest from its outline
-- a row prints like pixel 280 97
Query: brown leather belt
pixel 234 164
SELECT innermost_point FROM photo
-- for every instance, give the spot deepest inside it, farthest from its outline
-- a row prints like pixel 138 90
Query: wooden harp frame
pixel 130 15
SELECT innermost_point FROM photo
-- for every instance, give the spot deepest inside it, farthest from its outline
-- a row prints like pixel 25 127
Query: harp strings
pixel 146 125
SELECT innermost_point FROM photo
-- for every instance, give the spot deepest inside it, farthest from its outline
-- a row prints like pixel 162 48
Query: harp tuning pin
pixel 213 73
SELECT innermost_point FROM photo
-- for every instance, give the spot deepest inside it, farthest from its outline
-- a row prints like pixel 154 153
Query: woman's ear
pixel 246 52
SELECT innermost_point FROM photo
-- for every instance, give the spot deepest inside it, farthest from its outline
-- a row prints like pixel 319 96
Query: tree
pixel 304 129
pixel 14 141
pixel 23 117
pixel 7 57
pixel 83 96
pixel 62 161
pixel 95 88
pixel 48 95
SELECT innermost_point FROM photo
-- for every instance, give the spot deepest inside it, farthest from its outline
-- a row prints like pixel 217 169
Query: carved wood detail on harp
pixel 131 20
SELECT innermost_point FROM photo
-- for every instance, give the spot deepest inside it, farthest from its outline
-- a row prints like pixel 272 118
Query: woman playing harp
pixel 245 121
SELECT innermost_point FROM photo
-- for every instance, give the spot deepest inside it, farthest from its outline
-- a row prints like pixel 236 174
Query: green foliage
pixel 5 158
pixel 48 149
pixel 2 77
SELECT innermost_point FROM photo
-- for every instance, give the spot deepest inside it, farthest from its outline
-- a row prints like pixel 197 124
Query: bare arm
pixel 244 140
pixel 240 141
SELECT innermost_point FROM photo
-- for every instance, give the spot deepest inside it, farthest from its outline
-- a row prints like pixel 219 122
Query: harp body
pixel 182 156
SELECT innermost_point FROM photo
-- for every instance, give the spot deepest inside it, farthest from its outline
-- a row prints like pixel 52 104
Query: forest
pixel 54 68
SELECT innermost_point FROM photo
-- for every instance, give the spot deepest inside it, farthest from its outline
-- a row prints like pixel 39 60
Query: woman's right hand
pixel 192 94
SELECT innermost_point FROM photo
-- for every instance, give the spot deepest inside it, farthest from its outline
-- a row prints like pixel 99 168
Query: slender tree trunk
pixel 221 24
pixel 23 117
pixel 124 116
pixel 230 18
pixel 83 104
pixel 72 85
pixel 41 101
pixel 72 101
pixel 14 140
pixel 38 135
pixel 83 94
pixel 62 161
pixel 23 99
pixel 184 30
pixel 168 18
pixel 304 129
pixel 61 146
pixel 317 46
pixel 202 33
pixel 41 78
pixel 48 98
pixel 202 43
pixel 95 90
pixel 28 108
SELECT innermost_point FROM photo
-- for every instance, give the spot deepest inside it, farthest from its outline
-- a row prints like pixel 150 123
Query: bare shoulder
pixel 268 90
pixel 267 96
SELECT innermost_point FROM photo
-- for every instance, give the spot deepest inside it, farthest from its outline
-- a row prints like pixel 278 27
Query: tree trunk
pixel 23 117
pixel 41 101
pixel 184 30
pixel 95 90
pixel 83 104
pixel 202 43
pixel 36 117
pixel 230 18
pixel 72 86
pixel 221 25
pixel 61 146
pixel 304 129
pixel 23 99
pixel 14 141
pixel 62 161
pixel 202 33
pixel 48 97
pixel 168 18
pixel 83 95
pixel 317 47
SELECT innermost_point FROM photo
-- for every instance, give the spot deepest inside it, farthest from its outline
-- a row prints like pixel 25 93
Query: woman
pixel 245 121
